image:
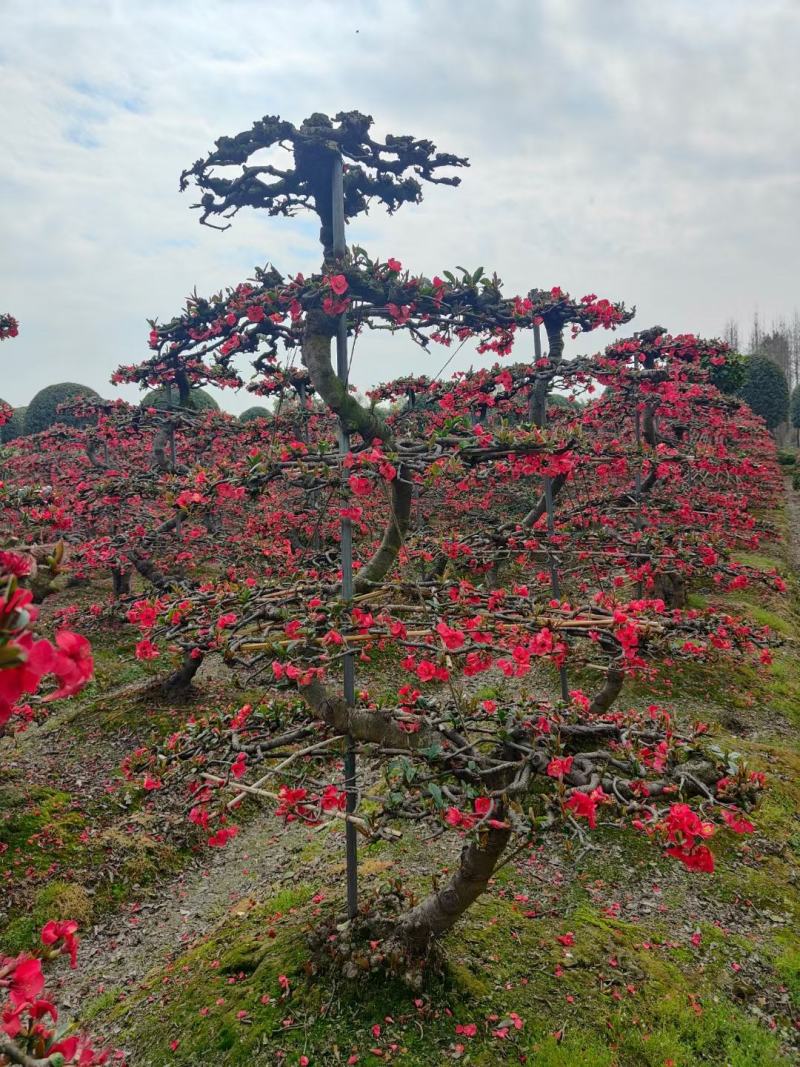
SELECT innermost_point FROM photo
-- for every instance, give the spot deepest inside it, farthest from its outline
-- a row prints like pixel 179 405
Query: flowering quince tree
pixel 29 1033
pixel 496 538
pixel 654 478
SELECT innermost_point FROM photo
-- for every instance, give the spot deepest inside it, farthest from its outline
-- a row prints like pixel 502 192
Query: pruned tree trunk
pixel 181 679
pixel 121 581
pixel 615 679
pixel 358 419
pixel 671 587
pixel 439 912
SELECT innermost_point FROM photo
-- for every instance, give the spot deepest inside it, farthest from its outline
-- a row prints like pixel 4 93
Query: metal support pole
pixel 351 849
pixel 551 525
pixel 534 412
pixel 637 477
pixel 637 474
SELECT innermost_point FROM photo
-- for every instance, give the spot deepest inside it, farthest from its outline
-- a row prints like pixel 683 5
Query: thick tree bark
pixel 393 535
pixel 160 442
pixel 121 581
pixel 540 507
pixel 14 1054
pixel 649 425
pixel 439 912
pixel 671 587
pixel 436 914
pixel 150 571
pixel 615 679
pixel 182 678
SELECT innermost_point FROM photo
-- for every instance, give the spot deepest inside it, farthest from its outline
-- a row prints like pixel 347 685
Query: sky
pixel 644 151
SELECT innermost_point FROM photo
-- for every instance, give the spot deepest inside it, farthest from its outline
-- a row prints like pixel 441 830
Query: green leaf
pixel 431 752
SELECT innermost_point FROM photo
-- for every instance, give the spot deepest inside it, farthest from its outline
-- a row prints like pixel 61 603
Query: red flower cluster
pixel 297 804
pixel 27 659
pixel 685 829
pixel 25 1011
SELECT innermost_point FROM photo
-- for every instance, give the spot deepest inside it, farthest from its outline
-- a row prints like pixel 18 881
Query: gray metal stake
pixel 551 526
pixel 351 848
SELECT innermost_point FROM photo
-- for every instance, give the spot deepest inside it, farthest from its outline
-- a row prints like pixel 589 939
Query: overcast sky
pixel 645 151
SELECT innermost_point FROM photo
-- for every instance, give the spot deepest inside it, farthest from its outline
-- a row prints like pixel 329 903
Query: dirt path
pixel 121 950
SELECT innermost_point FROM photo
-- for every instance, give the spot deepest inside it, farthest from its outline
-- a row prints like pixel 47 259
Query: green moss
pixel 777 622
pixel 57 900
pixel 40 823
pixel 787 962
pixel 761 560
pixel 620 1000
pixel 99 1006
pixel 696 600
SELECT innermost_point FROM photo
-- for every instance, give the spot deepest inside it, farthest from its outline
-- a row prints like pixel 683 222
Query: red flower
pixel 584 806
pixel 333 799
pixel 146 650
pixel 338 283
pixel 394 264
pixel 12 563
pixel 73 664
pixel 453 639
pixel 53 932
pixel 223 836
pixel 27 981
pixel 359 485
pixel 25 676
pixel 738 823
pixel 558 768
pixel 695 859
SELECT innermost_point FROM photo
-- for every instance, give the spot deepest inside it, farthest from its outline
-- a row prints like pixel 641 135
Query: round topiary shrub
pixel 255 413
pixel 15 427
pixel 199 400
pixel 42 412
pixel 766 390
pixel 729 376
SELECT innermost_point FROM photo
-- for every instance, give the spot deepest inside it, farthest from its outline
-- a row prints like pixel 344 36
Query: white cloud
pixel 641 150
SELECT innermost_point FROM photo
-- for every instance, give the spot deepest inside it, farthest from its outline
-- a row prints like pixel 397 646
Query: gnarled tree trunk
pixel 440 911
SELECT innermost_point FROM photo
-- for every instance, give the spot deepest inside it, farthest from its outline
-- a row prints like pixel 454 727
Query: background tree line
pixel 771 372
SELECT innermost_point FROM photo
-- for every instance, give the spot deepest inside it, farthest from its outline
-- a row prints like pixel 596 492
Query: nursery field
pixel 177 943
pixel 456 722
